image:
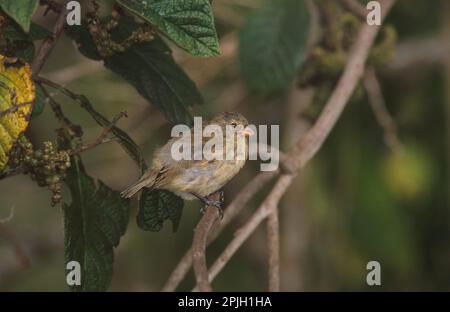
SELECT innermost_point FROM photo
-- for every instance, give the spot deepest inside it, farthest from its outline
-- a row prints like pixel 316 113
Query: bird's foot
pixel 215 203
pixel 211 202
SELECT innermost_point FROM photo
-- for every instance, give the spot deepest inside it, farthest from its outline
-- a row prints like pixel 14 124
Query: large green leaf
pixel 272 45
pixel 189 23
pixel 20 11
pixel 94 223
pixel 150 68
pixel 156 206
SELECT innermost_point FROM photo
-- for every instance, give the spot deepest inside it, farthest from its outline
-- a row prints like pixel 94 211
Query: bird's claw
pixel 221 197
pixel 211 202
pixel 215 203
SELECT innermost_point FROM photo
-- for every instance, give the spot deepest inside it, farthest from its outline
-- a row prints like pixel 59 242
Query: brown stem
pixel 355 7
pixel 273 250
pixel 378 105
pixel 101 138
pixel 49 43
pixel 244 232
pixel 238 203
pixel 51 5
pixel 59 114
pixel 199 244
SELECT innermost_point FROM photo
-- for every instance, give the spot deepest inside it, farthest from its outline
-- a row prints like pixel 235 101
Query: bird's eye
pixel 234 124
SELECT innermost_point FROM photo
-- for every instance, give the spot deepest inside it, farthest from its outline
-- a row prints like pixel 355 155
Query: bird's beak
pixel 247 131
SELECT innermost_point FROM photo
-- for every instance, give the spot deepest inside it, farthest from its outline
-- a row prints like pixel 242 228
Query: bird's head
pixel 234 119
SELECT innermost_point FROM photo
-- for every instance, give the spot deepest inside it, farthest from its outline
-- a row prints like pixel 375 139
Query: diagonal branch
pixel 273 250
pixel 382 115
pixel 48 44
pixel 102 138
pixel 355 7
pixel 199 244
pixel 238 203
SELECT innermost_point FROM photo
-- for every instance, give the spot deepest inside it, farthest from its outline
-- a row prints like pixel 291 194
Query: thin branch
pixel 244 232
pixel 199 244
pixel 273 250
pixel 51 6
pixel 59 114
pixel 48 44
pixel 415 52
pixel 102 138
pixel 238 203
pixel 309 145
pixel 378 105
pixel 355 7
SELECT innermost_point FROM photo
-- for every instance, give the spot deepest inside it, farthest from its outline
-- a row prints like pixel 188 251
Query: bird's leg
pixel 211 202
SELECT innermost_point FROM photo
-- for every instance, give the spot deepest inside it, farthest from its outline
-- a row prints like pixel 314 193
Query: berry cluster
pixel 46 166
pixel 101 33
pixel 339 30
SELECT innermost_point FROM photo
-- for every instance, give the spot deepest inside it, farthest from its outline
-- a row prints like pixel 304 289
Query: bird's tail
pixel 147 180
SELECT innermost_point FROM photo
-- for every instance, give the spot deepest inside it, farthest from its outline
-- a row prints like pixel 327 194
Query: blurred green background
pixel 358 200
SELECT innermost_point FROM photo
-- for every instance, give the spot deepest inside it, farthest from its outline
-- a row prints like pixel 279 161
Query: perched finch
pixel 192 179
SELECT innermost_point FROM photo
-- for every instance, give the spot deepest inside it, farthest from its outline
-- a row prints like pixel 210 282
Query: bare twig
pixel 51 6
pixel 308 145
pixel 238 203
pixel 101 138
pixel 59 114
pixel 244 232
pixel 273 250
pixel 48 44
pixel 378 104
pixel 412 53
pixel 199 244
pixel 355 7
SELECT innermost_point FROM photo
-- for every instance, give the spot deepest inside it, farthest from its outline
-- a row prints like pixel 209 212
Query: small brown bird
pixel 192 179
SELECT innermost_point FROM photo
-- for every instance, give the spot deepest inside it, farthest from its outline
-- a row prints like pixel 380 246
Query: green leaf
pixel 93 224
pixel 272 45
pixel 37 32
pixel 188 23
pixel 156 206
pixel 20 11
pixel 150 68
pixel 39 102
pixel 83 39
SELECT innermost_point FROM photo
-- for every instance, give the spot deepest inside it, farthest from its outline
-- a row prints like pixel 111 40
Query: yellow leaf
pixel 16 101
